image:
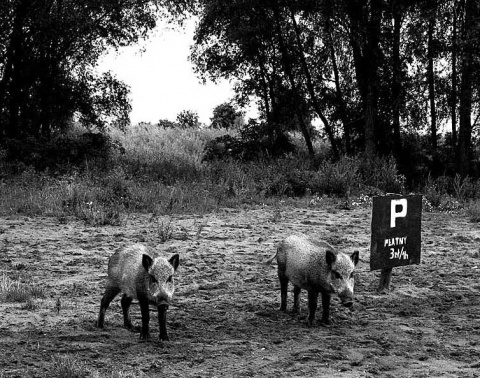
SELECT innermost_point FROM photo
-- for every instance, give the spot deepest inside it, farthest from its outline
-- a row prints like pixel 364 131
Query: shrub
pixel 188 119
pixel 61 152
pixel 473 211
pixel 166 124
pixel 115 189
pixel 338 177
pixel 225 116
pixel 95 214
pixel 256 141
pixel 381 173
pixel 433 193
pixel 165 230
pixel 466 188
pixel 223 147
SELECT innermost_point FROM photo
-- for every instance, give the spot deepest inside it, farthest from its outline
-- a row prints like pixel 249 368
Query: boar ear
pixel 355 257
pixel 147 262
pixel 330 257
pixel 174 261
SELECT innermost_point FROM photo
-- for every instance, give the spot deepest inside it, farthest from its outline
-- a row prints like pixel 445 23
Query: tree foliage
pixel 48 53
pixel 372 71
pixel 188 119
pixel 224 116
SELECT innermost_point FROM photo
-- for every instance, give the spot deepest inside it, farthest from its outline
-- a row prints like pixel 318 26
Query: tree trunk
pixel 264 81
pixel 431 82
pixel 397 79
pixel 364 39
pixel 454 77
pixel 342 108
pixel 311 87
pixel 291 78
pixel 11 85
pixel 466 91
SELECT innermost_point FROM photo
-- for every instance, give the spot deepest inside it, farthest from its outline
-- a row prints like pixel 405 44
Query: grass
pixel 161 171
pixel 73 367
pixel 15 291
pixel 69 367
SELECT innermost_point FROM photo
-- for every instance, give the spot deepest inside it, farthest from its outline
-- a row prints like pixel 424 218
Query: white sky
pixel 161 78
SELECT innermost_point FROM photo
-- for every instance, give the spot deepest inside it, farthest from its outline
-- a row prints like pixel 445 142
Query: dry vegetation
pixel 161 171
pixel 225 217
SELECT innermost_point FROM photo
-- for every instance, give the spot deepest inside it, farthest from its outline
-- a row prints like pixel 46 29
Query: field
pixel 224 320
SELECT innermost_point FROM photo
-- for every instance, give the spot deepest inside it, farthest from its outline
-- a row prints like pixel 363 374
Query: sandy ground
pixel 224 320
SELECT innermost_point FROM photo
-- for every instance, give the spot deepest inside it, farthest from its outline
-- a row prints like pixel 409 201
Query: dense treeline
pixel 384 77
pixel 373 71
pixel 48 53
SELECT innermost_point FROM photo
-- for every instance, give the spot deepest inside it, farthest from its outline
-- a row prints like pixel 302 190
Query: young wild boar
pixel 315 266
pixel 140 273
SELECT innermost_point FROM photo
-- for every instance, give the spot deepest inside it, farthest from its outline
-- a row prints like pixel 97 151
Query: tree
pixel 469 53
pixel 431 73
pixel 188 119
pixel 371 70
pixel 48 53
pixel 262 46
pixel 365 19
pixel 224 116
pixel 167 124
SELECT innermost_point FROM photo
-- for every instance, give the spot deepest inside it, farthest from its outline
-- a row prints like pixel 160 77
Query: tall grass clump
pixel 451 193
pixel 168 155
pixel 69 367
pixel 16 291
pixel 381 173
pixel 340 177
pixel 73 367
pixel 473 211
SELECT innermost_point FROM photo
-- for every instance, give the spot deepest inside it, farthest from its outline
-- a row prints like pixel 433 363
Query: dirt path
pixel 224 321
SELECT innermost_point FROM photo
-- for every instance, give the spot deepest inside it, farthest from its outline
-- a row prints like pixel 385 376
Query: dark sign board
pixel 396 231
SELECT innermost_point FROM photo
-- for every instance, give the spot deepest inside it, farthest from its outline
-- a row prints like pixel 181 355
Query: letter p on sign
pixel 402 204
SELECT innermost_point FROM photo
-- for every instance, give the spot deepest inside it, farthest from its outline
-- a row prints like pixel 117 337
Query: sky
pixel 161 78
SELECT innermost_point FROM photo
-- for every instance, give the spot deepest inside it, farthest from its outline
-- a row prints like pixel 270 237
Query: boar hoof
pixel 164 338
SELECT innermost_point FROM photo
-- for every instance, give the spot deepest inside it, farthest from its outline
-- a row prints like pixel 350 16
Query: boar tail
pixel 269 260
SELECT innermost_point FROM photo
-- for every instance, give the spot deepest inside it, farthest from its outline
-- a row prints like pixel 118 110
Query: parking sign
pixel 396 231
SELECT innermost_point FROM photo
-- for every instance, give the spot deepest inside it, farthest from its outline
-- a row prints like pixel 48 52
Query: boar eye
pixel 336 275
pixel 170 279
pixel 153 279
pixel 351 275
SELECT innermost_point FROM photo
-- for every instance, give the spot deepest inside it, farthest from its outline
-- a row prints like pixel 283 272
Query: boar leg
pixel 110 293
pixel 296 299
pixel 162 322
pixel 126 302
pixel 283 290
pixel 312 306
pixel 326 307
pixel 145 311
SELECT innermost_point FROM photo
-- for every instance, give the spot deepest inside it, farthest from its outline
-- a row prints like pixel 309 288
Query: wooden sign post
pixel 396 234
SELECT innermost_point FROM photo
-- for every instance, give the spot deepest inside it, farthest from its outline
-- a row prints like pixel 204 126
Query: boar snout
pixel 346 300
pixel 163 302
